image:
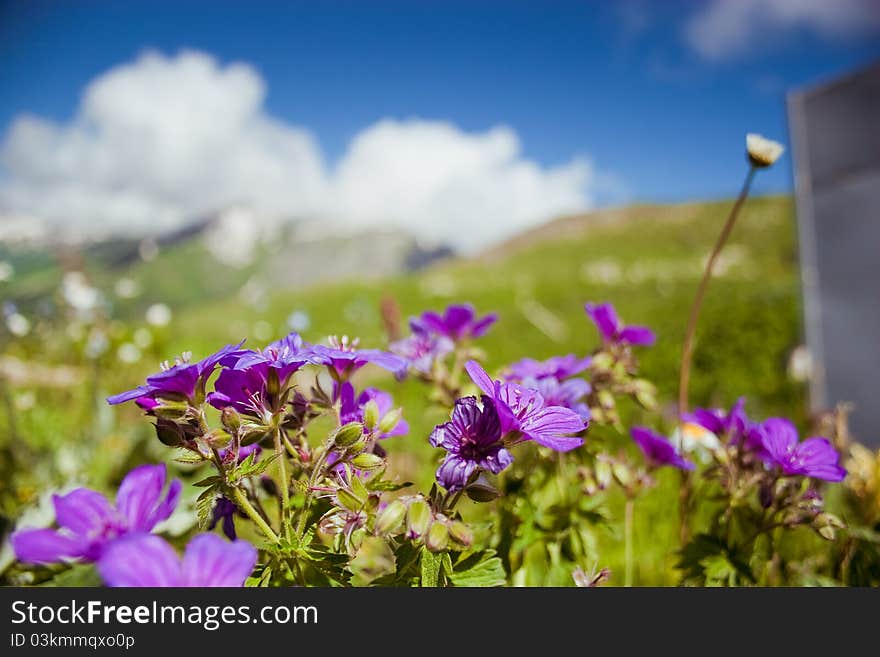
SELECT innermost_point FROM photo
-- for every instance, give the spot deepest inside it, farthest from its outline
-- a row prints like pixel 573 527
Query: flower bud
pixel 169 410
pixel 367 461
pixel 390 519
pixel 252 433
pixel 482 491
pixel 437 538
pixel 348 434
pixel 460 533
pixel 230 419
pixel 168 433
pixel 623 474
pixel 371 414
pixel 603 474
pixel 349 500
pixel 390 421
pixel 418 519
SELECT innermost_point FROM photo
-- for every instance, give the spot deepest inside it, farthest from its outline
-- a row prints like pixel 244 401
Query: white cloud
pixel 727 28
pixel 161 140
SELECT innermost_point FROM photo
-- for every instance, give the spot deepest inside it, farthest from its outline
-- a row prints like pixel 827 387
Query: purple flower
pixel 145 560
pixel 735 424
pixel 569 394
pixel 342 358
pixel 224 510
pixel 285 356
pixel 88 522
pixel 242 389
pixel 658 450
pixel 814 457
pixel 557 367
pixel 181 380
pixel 352 409
pixel 422 348
pixel 458 321
pixel 472 440
pixel 524 410
pixel 614 330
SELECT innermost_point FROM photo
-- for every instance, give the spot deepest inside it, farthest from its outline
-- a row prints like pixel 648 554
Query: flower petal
pixel 547 426
pixel 478 376
pixel 140 560
pixel 84 512
pixel 139 494
pixel 211 561
pixel 638 335
pixel 45 546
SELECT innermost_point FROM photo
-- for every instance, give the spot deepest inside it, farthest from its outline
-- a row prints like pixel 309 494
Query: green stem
pixel 688 348
pixel 313 480
pixel 628 542
pixel 285 483
pixel 243 504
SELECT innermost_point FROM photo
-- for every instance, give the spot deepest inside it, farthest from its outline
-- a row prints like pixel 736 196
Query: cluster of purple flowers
pixel 250 379
pixel 773 443
pixel 434 335
pixel 117 537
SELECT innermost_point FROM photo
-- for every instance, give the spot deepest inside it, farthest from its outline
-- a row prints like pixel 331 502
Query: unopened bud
pixel 252 433
pixel 390 421
pixel 168 433
pixel 460 533
pixel 230 419
pixel 623 474
pixel 482 491
pixel 349 500
pixel 437 538
pixel 348 434
pixel 418 519
pixel 367 461
pixel 168 410
pixel 390 519
pixel 603 474
pixel 371 415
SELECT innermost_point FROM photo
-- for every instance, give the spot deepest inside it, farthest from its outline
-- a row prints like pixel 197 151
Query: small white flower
pixel 693 439
pixel 18 325
pixel 158 315
pixel 128 353
pixel 127 288
pixel 762 152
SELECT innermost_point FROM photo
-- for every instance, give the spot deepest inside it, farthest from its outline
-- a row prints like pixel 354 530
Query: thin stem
pixel 313 480
pixel 688 348
pixel 628 542
pixel 285 483
pixel 245 506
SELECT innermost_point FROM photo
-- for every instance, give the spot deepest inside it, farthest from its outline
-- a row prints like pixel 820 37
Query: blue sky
pixel 625 84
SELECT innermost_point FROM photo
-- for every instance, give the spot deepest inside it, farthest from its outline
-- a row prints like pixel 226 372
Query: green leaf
pixel 431 565
pixel 205 505
pixel 83 575
pixel 479 569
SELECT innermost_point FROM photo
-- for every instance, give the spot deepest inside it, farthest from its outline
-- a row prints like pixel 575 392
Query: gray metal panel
pixel 836 138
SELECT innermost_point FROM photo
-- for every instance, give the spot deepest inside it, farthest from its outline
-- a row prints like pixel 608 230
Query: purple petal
pixel 547 426
pixel 605 318
pixel 457 318
pixel 638 335
pixel 211 561
pixel 130 395
pixel 482 325
pixel 478 376
pixel 779 437
pixel 45 546
pixel 84 512
pixel 139 495
pixel 140 560
pixel 433 322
